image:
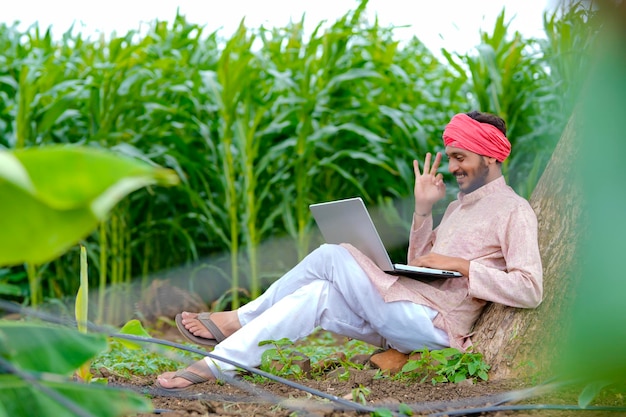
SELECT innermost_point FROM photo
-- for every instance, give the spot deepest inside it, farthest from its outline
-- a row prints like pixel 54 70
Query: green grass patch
pixel 125 362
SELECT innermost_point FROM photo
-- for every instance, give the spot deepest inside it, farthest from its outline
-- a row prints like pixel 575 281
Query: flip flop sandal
pixel 205 319
pixel 190 376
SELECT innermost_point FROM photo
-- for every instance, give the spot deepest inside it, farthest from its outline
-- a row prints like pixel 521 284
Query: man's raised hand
pixel 429 186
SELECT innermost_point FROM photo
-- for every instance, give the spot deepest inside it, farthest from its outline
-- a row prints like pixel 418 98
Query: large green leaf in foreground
pixel 47 348
pixel 52 353
pixel 594 350
pixel 59 194
pixel 20 398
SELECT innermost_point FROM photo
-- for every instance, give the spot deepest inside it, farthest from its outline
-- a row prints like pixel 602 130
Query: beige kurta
pixel 496 230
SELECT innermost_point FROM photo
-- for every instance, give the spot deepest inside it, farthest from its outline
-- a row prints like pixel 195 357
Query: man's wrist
pixel 422 215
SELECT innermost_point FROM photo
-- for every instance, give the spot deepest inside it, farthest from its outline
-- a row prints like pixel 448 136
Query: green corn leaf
pixel 45 348
pixel 18 398
pixel 54 196
pixel 8 289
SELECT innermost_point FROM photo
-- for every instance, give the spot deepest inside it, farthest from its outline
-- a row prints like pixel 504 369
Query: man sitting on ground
pixel 489 234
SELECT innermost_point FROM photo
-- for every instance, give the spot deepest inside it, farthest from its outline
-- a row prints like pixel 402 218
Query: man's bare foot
pixel 169 380
pixel 226 321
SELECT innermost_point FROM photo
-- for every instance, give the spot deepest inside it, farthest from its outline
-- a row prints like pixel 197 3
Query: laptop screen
pixel 348 221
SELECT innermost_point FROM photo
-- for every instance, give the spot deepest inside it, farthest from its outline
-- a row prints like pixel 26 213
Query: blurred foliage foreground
pixel 594 348
pixel 53 197
pixel 257 127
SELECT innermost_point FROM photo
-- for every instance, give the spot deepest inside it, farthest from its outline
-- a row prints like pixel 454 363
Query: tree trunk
pixel 520 342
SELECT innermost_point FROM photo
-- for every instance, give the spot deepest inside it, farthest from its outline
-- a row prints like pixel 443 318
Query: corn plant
pixel 531 84
pixel 344 115
pixel 570 33
pixel 257 127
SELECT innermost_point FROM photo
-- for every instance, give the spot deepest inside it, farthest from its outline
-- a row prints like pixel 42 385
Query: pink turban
pixel 481 138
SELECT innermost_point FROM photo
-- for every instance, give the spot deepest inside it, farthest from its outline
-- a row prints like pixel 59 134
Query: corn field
pixel 260 125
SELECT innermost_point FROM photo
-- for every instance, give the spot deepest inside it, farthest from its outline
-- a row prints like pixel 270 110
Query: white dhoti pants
pixel 327 289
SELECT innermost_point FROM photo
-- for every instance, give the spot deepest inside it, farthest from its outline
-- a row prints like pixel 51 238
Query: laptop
pixel 348 221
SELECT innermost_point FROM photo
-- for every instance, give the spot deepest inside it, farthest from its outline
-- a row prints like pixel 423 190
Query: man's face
pixel 469 168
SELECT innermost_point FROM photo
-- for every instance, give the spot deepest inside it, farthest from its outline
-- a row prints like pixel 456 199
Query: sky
pixel 450 24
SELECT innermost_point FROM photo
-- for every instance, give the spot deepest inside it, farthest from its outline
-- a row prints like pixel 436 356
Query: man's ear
pixel 489 160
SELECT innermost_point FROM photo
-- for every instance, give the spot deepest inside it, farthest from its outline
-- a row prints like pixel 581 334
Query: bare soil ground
pixel 241 397
pixel 273 399
pixel 277 400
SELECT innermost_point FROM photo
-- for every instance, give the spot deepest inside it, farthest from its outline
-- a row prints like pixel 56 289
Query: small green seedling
pixel 282 360
pixel 445 365
pixel 360 394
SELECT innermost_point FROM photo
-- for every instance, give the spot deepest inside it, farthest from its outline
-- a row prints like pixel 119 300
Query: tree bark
pixel 520 342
